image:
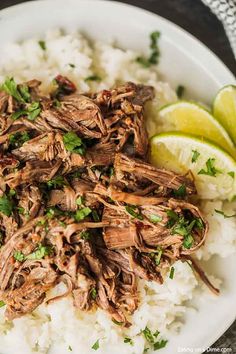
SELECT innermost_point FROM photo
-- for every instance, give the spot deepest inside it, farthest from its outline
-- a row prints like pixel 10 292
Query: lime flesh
pixel 183 153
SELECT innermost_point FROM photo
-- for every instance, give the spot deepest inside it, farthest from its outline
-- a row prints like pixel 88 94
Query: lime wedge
pixel 189 117
pixel 224 109
pixel 213 169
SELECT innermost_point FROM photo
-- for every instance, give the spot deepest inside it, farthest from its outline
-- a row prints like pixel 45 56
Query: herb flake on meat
pixel 6 205
pixel 73 143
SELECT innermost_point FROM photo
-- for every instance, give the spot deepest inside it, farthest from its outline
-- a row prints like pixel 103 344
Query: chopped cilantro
pixel 12 192
pixel 173 217
pixel 56 103
pixel 24 91
pixel 199 223
pixel 85 235
pixel 56 182
pixel 133 211
pixel 172 272
pixel 93 293
pixel 33 110
pixel 62 223
pixel 211 170
pixel 96 345
pixel 21 210
pixel 92 78
pixel 155 218
pixel 155 52
pixel 231 174
pixel 128 340
pixel 16 140
pixel 181 191
pixel 156 334
pixel 73 143
pixel 180 91
pixel 148 335
pixel 188 241
pixel 224 215
pixel 39 253
pixel 82 213
pixel 95 215
pixel 16 115
pixel 10 87
pixel 6 205
pixel 42 45
pixel 160 344
pixel 54 211
pixel 72 65
pixel 69 348
pixel 80 200
pixel 19 256
pixel 157 257
pixel 2 303
pixel 195 156
pixel 117 323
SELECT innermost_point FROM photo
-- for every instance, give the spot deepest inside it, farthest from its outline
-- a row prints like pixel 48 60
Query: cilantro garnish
pixel 180 91
pixel 96 345
pixel 73 143
pixel 195 156
pixel 231 174
pixel 80 200
pixel 128 340
pixel 93 293
pixel 39 253
pixel 92 78
pixel 31 112
pixel 211 170
pixel 42 45
pixel 82 213
pixel 56 182
pixel 134 211
pixel 181 191
pixel 172 272
pixel 155 52
pixel 224 215
pixel 6 205
pixel 160 344
pixel 85 235
pixel 16 140
pixel 10 87
pixel 155 218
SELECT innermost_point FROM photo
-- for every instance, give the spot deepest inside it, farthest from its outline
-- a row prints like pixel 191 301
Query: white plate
pixel 184 60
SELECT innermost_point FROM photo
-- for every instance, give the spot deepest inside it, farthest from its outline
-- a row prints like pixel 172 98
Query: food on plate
pixel 85 206
pixel 102 248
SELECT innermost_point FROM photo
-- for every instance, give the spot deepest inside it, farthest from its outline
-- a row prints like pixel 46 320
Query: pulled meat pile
pixel 81 205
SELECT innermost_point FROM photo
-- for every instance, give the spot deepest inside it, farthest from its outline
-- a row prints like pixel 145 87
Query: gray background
pixel 197 19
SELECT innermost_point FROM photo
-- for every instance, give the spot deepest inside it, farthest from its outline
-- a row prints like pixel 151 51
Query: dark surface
pixel 197 19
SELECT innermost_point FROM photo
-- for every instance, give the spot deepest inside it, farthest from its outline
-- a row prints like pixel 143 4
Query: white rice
pixel 59 327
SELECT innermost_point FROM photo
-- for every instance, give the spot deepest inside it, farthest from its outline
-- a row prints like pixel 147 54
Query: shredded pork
pixel 80 204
